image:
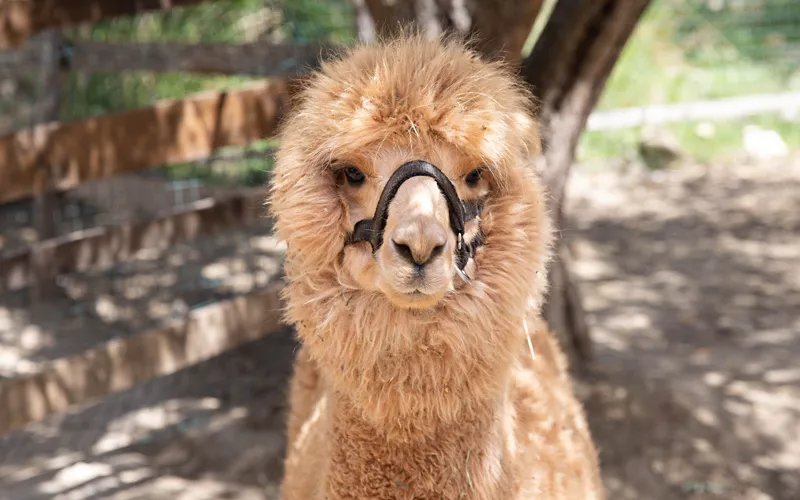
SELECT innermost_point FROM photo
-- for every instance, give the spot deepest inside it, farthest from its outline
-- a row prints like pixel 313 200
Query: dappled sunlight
pixel 17 345
pixel 158 285
pixel 139 423
pixel 192 434
pixel 268 243
pixel 690 279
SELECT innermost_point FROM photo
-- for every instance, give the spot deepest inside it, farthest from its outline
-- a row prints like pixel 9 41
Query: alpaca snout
pixel 418 242
pixel 419 249
pixel 416 260
pixel 417 230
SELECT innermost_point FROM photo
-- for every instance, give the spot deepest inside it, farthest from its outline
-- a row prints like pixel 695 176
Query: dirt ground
pixel 692 283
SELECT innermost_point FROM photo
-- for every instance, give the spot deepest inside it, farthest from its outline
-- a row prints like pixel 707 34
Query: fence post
pixel 45 201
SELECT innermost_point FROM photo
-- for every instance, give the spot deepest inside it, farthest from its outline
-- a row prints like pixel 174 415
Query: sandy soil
pixel 692 283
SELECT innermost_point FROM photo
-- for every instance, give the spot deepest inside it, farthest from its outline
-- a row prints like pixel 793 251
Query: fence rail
pixel 121 363
pixel 19 19
pixel 259 59
pixel 53 157
pixel 100 247
pixel 718 109
pixel 59 156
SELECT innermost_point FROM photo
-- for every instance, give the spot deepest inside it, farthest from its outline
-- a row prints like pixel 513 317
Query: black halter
pixel 371 230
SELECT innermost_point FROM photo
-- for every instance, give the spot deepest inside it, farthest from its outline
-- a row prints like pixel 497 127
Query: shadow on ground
pixel 693 290
pixel 212 431
pixel 132 296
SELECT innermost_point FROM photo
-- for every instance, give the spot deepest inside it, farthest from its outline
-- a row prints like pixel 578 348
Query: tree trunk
pixel 568 68
pixel 501 27
pixel 497 28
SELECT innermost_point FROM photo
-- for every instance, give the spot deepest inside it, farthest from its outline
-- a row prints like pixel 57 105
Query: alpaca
pixel 425 371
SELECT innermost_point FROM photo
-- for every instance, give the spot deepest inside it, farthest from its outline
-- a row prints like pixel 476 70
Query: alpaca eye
pixel 473 178
pixel 355 177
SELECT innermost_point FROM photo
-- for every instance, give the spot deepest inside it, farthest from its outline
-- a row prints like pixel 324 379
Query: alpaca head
pixel 358 120
pixel 365 115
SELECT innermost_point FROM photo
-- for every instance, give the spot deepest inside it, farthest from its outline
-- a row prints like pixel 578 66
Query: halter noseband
pixel 371 230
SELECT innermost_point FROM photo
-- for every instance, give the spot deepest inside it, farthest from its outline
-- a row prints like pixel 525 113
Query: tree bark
pixel 497 28
pixel 568 69
pixel 501 27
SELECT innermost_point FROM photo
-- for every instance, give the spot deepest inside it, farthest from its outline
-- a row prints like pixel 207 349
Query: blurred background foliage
pixel 682 51
pixel 231 21
pixel 694 50
pixel 287 21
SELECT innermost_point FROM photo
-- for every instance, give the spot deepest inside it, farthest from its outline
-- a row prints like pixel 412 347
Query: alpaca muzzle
pixel 461 212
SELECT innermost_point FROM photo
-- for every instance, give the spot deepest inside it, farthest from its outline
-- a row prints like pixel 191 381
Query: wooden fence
pixel 121 363
pixel 59 156
pixel 261 59
pixel 20 19
pixel 56 156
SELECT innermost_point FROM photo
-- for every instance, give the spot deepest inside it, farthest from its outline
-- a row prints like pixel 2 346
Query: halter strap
pixel 371 230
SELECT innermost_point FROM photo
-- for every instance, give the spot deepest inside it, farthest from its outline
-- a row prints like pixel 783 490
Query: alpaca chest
pixel 458 462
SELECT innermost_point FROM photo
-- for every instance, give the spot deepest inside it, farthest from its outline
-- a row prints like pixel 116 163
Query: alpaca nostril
pixel 419 241
pixel 437 251
pixel 416 259
pixel 404 251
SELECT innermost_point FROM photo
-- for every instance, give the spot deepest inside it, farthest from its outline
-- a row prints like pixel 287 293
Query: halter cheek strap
pixel 371 230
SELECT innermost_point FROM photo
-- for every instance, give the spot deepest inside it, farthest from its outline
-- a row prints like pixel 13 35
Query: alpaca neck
pixel 464 459
pixel 426 376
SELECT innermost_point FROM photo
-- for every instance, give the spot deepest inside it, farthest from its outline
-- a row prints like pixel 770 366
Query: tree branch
pixel 568 69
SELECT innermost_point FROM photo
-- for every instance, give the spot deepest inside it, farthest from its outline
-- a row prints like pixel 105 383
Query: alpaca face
pixel 356 121
pixel 416 265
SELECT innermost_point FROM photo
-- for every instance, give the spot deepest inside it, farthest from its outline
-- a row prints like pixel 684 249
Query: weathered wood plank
pixel 68 154
pixel 45 202
pixel 253 59
pixel 20 19
pixel 101 247
pixel 121 363
pixel 259 59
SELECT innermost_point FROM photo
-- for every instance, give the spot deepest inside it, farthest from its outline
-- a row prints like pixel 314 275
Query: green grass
pixel 297 21
pixel 252 171
pixel 726 142
pixel 678 54
pixel 290 21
